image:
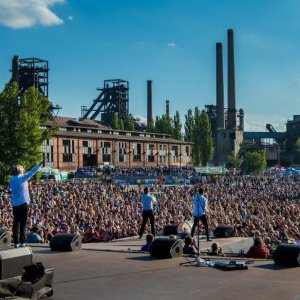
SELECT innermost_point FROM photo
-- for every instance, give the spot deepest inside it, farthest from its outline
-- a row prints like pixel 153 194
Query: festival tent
pixel 212 170
pixel 49 173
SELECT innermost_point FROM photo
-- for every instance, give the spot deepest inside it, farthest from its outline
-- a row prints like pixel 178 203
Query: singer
pixel 200 208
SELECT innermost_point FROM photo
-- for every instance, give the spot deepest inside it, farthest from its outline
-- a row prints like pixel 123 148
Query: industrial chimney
pixel 149 101
pixel 220 87
pixel 231 112
pixel 168 108
pixel 15 69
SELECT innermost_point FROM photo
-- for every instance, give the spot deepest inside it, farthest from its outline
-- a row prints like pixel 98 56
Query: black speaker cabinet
pixel 287 254
pixel 12 261
pixel 224 231
pixel 171 229
pixel 66 242
pixel 5 240
pixel 166 248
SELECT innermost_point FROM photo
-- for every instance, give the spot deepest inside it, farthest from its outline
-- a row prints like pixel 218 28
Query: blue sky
pixel 171 42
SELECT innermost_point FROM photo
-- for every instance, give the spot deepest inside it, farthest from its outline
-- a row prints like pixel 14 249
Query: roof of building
pixel 67 122
pixel 72 125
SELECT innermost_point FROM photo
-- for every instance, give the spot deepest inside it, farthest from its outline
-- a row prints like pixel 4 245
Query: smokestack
pixel 231 114
pixel 168 108
pixel 220 87
pixel 15 69
pixel 149 101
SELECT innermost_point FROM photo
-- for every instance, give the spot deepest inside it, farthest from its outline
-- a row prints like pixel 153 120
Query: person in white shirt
pixel 200 208
pixel 147 202
pixel 20 201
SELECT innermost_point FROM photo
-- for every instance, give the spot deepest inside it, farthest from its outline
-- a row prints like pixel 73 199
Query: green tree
pixel 254 162
pixel 177 134
pixel 206 142
pixel 150 126
pixel 164 124
pixel 189 126
pixel 129 123
pixel 196 137
pixel 296 152
pixel 115 121
pixel 234 161
pixel 21 135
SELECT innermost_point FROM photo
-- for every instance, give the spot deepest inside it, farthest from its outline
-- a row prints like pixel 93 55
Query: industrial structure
pixel 28 72
pixel 226 130
pixel 113 98
pixel 149 101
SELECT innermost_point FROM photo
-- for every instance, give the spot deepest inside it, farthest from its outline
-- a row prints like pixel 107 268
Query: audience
pixel 266 206
pixel 216 250
pixel 149 240
pixel 33 236
pixel 258 250
pixel 189 246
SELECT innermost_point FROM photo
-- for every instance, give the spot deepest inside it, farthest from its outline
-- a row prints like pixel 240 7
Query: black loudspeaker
pixel 166 248
pixel 171 229
pixel 12 261
pixel 66 242
pixel 224 231
pixel 287 254
pixel 5 240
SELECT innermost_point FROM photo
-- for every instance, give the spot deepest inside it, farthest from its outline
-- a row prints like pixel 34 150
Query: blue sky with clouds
pixel 171 42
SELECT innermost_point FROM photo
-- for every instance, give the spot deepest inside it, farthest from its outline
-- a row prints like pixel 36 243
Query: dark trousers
pixel 148 214
pixel 19 224
pixel 204 222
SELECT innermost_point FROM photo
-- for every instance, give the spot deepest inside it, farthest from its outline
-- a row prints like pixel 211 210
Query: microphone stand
pixel 198 260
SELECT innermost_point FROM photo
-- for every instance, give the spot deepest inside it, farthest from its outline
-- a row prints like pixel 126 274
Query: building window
pixel 87 147
pixel 106 152
pixel 137 152
pixel 175 154
pixel 68 150
pixel 162 153
pixel 122 152
pixel 47 150
pixel 150 153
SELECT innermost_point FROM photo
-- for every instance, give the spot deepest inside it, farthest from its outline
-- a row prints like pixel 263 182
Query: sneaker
pixel 17 245
pixel 22 245
pixel 209 240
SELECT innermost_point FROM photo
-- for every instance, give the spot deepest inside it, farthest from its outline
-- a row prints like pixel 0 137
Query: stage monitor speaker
pixel 66 242
pixel 171 229
pixel 5 240
pixel 166 248
pixel 12 261
pixel 287 254
pixel 224 231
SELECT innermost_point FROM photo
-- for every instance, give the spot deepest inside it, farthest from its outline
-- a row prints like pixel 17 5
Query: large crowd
pixel 267 204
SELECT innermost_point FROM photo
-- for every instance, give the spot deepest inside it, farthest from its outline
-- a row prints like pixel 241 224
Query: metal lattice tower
pixel 114 98
pixel 28 72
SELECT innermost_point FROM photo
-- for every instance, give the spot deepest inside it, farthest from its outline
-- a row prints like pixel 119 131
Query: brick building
pixel 80 143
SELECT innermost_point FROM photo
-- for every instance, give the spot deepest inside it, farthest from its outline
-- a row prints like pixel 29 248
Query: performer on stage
pixel 20 201
pixel 147 202
pixel 200 208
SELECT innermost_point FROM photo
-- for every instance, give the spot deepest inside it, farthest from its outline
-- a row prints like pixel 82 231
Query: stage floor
pixel 117 271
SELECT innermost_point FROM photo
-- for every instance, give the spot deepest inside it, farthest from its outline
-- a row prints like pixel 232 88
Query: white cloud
pixel 71 18
pixel 172 45
pixel 27 13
